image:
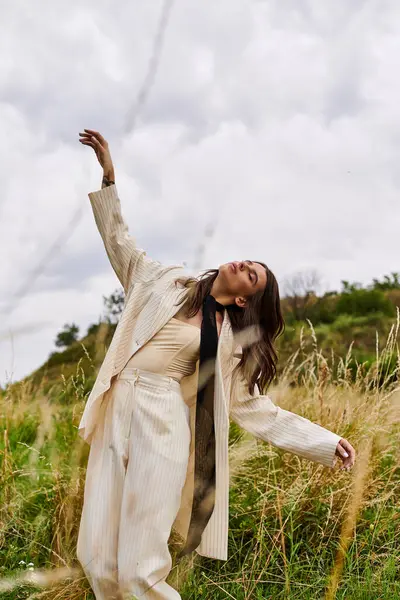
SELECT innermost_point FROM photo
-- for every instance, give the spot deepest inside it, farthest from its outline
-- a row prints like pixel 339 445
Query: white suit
pixel 151 292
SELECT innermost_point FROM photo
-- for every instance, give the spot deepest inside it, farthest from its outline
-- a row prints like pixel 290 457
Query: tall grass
pixel 297 529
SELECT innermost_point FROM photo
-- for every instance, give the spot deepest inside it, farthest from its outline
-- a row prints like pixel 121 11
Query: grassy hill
pixel 334 332
pixel 297 529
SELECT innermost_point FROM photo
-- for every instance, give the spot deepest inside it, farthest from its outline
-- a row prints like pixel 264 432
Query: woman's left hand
pixel 344 447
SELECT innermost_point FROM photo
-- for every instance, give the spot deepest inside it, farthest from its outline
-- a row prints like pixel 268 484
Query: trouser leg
pixel 158 458
pixel 98 532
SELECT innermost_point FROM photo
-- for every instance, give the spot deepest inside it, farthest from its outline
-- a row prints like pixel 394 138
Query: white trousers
pixel 135 475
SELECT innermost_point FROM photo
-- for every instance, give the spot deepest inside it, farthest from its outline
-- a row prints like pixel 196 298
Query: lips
pixel 233 267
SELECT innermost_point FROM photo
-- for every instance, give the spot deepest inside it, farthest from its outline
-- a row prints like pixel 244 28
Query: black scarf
pixel 204 469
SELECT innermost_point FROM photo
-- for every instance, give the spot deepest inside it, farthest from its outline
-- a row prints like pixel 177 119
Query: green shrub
pixel 360 302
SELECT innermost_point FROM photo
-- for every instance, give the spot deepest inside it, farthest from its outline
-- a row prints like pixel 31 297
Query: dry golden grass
pixel 274 494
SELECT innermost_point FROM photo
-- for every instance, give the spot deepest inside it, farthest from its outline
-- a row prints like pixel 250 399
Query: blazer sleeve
pixel 129 262
pixel 282 428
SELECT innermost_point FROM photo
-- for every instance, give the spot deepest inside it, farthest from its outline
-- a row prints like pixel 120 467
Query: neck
pixel 220 295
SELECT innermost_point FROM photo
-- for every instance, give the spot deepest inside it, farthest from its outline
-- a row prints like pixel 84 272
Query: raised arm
pixel 129 262
pixel 282 428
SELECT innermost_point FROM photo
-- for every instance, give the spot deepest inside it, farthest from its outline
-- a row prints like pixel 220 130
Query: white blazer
pixel 150 294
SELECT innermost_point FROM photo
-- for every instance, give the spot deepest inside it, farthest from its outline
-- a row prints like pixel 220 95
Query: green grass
pixel 297 529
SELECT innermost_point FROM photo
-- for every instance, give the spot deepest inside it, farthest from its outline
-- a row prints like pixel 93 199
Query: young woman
pixel 141 417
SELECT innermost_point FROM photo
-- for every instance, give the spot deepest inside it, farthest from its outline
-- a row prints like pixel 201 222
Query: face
pixel 243 279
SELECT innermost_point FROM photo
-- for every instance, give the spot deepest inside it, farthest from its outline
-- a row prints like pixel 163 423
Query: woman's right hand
pixel 100 146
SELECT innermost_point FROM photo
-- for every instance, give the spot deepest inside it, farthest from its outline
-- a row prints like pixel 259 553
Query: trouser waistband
pixel 149 377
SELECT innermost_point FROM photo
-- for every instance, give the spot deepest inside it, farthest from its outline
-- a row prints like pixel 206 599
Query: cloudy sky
pixel 278 120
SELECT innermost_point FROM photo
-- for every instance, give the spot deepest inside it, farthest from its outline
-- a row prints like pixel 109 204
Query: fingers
pixel 93 142
pixel 96 135
pixel 349 449
pixel 341 450
pixel 343 443
pixel 346 444
pixel 88 136
pixel 88 143
pixel 344 447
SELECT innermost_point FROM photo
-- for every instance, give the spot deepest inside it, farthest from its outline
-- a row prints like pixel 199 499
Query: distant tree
pixel 360 302
pixel 299 289
pixel 93 328
pixel 114 305
pixel 390 282
pixel 322 309
pixel 68 336
pixel 387 283
pixel 348 288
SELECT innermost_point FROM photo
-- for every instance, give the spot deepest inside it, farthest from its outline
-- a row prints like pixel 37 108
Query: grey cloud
pixel 257 113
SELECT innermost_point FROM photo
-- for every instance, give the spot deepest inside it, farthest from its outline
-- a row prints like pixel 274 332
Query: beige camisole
pixel 172 351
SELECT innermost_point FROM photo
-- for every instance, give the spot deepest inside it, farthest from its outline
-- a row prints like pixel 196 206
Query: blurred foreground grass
pixel 298 530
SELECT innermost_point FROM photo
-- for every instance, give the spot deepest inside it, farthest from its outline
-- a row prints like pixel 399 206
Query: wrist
pixel 107 180
pixel 109 173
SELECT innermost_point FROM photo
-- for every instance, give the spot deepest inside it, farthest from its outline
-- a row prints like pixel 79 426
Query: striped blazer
pixel 151 291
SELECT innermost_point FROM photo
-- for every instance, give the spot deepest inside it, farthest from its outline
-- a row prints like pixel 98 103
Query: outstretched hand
pixel 347 453
pixel 92 138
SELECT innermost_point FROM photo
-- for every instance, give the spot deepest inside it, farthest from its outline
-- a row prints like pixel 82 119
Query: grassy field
pixel 298 530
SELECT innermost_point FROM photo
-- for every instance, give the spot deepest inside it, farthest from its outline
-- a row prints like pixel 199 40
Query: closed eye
pixel 254 273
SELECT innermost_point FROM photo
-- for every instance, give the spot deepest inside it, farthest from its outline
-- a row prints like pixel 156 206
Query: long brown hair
pixel 263 310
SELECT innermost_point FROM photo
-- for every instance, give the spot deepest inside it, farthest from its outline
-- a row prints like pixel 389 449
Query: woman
pixel 142 481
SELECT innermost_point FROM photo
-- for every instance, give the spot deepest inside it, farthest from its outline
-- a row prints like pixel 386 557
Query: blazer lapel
pixel 224 359
pixel 157 312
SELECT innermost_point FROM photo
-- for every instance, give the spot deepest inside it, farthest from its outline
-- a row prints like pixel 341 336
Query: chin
pixel 228 270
